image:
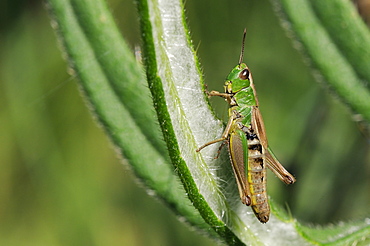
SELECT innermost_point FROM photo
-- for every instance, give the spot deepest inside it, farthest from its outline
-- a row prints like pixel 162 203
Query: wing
pixel 238 150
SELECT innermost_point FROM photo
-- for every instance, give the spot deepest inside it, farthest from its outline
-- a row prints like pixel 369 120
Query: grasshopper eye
pixel 244 74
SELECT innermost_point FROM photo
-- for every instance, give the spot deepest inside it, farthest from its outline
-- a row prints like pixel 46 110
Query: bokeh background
pixel 61 182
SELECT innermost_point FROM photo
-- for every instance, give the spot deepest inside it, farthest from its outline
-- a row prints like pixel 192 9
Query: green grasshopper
pixel 246 138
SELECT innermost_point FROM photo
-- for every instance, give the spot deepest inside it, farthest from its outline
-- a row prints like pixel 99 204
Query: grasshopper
pixel 247 142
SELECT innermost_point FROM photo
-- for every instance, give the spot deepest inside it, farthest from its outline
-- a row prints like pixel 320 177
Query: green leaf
pixel 116 91
pixel 337 43
pixel 187 123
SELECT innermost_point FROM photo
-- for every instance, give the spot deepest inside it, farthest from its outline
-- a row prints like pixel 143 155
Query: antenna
pixel 242 51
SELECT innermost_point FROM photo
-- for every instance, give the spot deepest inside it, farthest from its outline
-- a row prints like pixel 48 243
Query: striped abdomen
pixel 257 176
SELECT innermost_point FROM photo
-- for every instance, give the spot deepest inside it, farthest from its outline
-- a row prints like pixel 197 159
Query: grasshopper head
pixel 238 79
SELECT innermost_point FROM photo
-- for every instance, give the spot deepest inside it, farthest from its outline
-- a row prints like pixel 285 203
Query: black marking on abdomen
pixel 257 147
pixel 251 136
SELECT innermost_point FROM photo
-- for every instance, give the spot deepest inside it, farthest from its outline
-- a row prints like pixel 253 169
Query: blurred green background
pixel 61 182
